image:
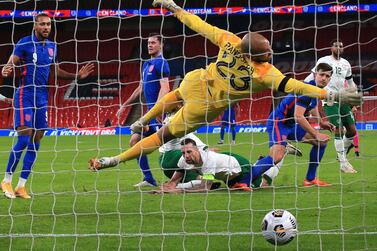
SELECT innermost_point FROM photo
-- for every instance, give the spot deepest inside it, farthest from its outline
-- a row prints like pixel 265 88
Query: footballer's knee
pixel 37 136
pixel 277 152
pixel 24 131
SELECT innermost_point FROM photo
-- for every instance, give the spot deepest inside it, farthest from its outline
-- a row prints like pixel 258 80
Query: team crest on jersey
pixel 151 68
pixel 51 52
pixel 27 117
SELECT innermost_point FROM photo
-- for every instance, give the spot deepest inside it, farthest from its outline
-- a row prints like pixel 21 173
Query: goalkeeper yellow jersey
pixel 234 76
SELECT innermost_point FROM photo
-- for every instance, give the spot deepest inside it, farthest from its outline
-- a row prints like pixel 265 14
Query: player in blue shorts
pixel 37 56
pixel 229 120
pixel 154 85
pixel 288 122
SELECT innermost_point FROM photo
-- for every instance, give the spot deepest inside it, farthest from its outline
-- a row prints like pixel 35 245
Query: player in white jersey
pixel 170 154
pixel 339 115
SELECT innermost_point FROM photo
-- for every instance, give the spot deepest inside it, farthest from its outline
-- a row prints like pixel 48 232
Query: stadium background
pixel 73 209
pixel 117 45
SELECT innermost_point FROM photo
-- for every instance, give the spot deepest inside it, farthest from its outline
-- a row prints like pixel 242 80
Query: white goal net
pixel 72 208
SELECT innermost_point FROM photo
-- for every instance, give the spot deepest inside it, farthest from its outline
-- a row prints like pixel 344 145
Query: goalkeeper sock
pixel 222 132
pixel 29 159
pixel 15 155
pixel 143 147
pixel 233 128
pixel 166 104
pixel 315 158
pixel 144 166
pixel 262 166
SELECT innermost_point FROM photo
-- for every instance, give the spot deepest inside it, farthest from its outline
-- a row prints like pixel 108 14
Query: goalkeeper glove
pixel 167 4
pixel 344 96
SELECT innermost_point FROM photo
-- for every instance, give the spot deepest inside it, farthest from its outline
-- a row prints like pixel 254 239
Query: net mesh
pixel 72 208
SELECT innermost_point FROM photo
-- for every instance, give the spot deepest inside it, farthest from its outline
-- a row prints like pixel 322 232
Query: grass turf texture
pixel 73 208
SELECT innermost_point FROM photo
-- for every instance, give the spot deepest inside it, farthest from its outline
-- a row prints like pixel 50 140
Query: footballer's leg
pixel 315 157
pixel 142 161
pixel 40 122
pixel 23 138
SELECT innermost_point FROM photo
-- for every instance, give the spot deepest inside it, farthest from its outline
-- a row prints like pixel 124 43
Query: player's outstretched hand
pixel 8 100
pixel 86 70
pixel 7 70
pixel 120 111
pixel 167 4
pixel 349 96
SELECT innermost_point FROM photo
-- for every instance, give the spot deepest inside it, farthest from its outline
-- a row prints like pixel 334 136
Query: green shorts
pixel 169 164
pixel 339 116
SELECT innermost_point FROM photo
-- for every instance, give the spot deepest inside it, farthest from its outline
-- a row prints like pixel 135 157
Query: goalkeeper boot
pixel 291 149
pixel 316 182
pixel 8 190
pixel 346 167
pixel 138 126
pixel 22 193
pixel 104 162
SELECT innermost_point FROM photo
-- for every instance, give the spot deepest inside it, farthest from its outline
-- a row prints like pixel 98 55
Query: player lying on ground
pixel 241 68
pixel 288 122
pixel 233 169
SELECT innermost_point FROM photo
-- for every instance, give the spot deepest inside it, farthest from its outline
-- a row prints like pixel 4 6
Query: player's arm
pixel 303 122
pixel 323 124
pixel 136 94
pixel 5 99
pixel 289 85
pixel 8 68
pixel 195 23
pixel 164 87
pixel 85 71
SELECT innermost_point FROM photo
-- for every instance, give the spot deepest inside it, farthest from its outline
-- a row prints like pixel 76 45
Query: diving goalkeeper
pixel 242 68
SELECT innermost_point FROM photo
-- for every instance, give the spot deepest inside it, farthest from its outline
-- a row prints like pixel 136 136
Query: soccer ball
pixel 279 227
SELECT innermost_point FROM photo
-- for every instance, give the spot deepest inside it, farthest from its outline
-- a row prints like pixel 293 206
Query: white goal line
pixel 136 235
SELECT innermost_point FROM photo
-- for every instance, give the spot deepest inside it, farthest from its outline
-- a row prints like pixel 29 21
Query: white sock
pixel 347 142
pixel 190 184
pixel 339 147
pixel 7 178
pixel 274 170
pixel 21 182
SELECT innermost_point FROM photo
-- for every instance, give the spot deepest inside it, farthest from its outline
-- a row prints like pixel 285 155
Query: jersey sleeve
pixel 19 49
pixel 276 80
pixel 303 101
pixel 217 36
pixel 165 69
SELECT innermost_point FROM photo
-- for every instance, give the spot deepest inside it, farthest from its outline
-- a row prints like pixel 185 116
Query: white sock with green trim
pixel 339 147
pixel 347 142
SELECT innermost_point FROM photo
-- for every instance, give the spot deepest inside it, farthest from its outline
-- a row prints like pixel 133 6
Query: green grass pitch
pixel 75 209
